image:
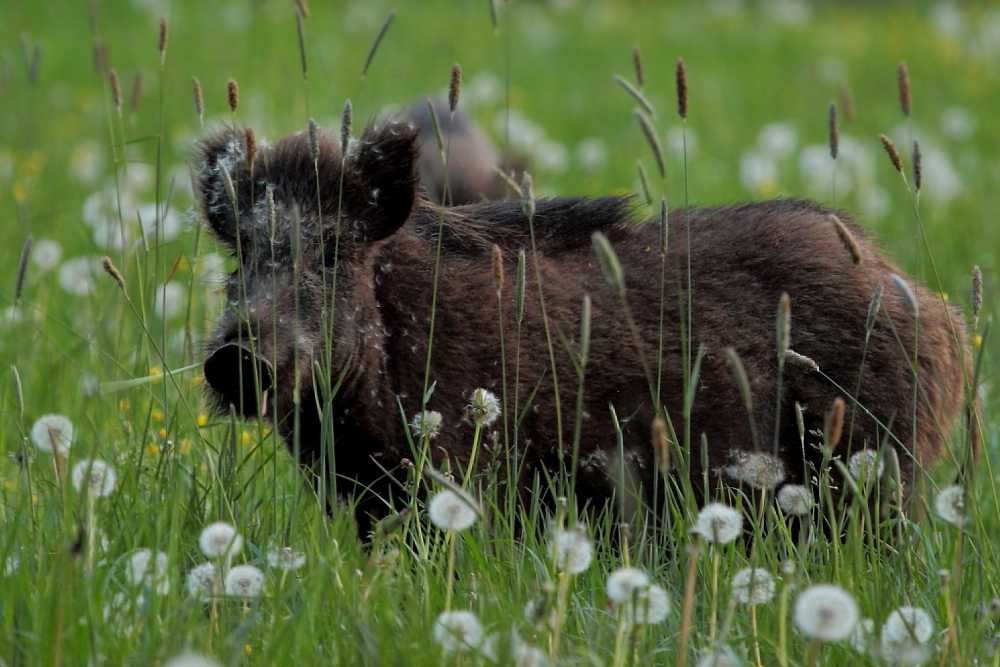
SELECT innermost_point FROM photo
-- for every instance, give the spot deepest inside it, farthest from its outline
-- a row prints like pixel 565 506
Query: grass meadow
pixel 89 173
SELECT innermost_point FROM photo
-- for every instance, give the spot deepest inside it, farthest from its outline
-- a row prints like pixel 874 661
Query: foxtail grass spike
pixel 977 291
pixel 313 140
pixel 637 65
pixel 874 305
pixel 832 132
pixel 492 5
pixel 834 427
pixel 635 93
pixel 784 325
pixel 375 42
pixel 649 132
pixel 161 42
pixel 740 375
pixel 22 268
pixel 454 86
pixel 100 57
pixel 233 95
pixel 199 105
pixel 15 380
pixel 680 76
pixel 496 260
pixel 846 103
pixel 610 265
pixel 116 88
pixel 346 120
pixel 528 196
pixel 800 361
pixel 847 238
pixel 519 287
pixel 251 142
pixel 661 443
pixel 905 291
pixel 585 311
pixel 890 150
pixel 112 270
pixel 302 8
pixel 918 175
pixel 903 84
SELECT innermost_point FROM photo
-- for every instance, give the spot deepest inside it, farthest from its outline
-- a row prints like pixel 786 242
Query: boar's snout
pixel 241 377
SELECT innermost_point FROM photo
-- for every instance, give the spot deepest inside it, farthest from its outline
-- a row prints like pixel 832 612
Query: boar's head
pixel 302 220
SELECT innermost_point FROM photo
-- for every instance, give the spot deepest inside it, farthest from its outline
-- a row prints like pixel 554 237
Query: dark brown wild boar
pixel 327 326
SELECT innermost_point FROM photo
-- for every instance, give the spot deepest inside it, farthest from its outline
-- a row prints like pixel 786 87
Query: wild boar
pixel 326 330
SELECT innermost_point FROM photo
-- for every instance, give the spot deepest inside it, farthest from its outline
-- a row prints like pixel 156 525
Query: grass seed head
pixel 116 88
pixel 833 135
pixel 346 120
pixel 136 92
pixel 661 444
pixel 801 361
pixel 232 95
pixel 890 150
pixel 496 262
pixel 834 426
pixel 251 142
pixel 680 80
pixel 918 172
pixel 610 265
pixel 199 105
pixel 649 133
pixel 22 267
pixel 903 85
pixel 784 325
pixel 847 238
pixel 454 86
pixel 313 140
pixel 637 65
pixel 161 41
pixel 977 291
pixel 111 270
pixel 905 291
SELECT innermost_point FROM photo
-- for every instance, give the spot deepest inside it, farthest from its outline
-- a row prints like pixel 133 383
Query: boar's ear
pixel 384 178
pixel 220 167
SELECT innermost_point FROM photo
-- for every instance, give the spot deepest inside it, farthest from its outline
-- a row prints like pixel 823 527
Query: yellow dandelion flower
pixel 123 404
pixel 247 649
pixel 201 419
pixel 156 415
pixel 9 484
pixel 151 448
pixel 184 446
pixel 162 432
pixel 19 191
pixel 975 340
pixel 245 437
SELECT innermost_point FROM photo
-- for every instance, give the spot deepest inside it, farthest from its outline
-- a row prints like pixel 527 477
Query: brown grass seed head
pixel 834 134
pixel 835 422
pixel 847 238
pixel 977 290
pixel 136 92
pixel 251 142
pixel 199 105
pixel 496 260
pixel 890 150
pixel 917 166
pixel 637 65
pixel 346 119
pixel 233 95
pixel 116 89
pixel 454 86
pixel 903 84
pixel 111 270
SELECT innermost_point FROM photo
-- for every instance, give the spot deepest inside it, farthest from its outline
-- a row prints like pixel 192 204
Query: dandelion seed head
pixel 795 499
pixel 427 422
pixel 457 631
pixel 52 433
pixel 950 505
pixel 622 583
pixel 244 581
pixel 866 466
pixel 449 511
pixel 201 581
pixel 484 407
pixel 907 623
pixel 574 550
pixel 96 476
pixel 285 558
pixel 907 651
pixel 220 540
pixel 718 523
pixel 720 656
pixel 753 585
pixel 861 636
pixel 647 606
pixel 190 660
pixel 759 470
pixel 826 612
pixel 149 569
pixel 529 656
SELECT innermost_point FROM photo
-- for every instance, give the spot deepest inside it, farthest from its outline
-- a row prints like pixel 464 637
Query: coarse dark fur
pixel 472 159
pixel 317 302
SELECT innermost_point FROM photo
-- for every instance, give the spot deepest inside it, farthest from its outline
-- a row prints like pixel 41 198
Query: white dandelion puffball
pixel 866 466
pixel 795 500
pixel 757 469
pixel 861 636
pixel 52 433
pixel 574 550
pixel 720 656
pixel 220 540
pixel 76 276
pixel 623 583
pixel 752 585
pixel 718 523
pixel 826 612
pixel 285 558
pixel 149 569
pixel 190 660
pixel 449 511
pixel 647 606
pixel 529 656
pixel 244 581
pixel 457 631
pixel 46 253
pixel 95 476
pixel 907 623
pixel 201 581
pixel 484 407
pixel 427 422
pixel 950 505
